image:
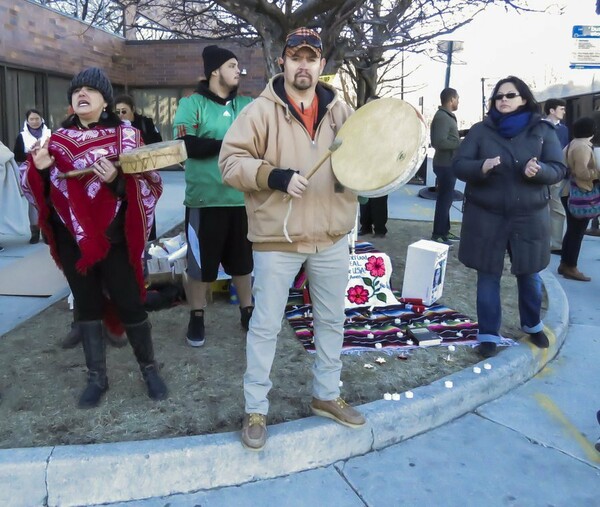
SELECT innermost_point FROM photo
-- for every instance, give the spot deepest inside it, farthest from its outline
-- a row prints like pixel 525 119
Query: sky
pixel 535 47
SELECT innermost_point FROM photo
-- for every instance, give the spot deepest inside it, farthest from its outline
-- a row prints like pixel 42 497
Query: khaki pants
pixel 274 272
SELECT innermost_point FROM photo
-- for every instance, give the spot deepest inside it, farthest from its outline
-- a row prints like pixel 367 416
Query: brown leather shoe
pixel 561 269
pixel 339 411
pixel 572 273
pixel 254 431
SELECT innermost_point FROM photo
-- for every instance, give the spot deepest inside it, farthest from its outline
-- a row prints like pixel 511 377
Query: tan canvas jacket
pixel 579 158
pixel 265 136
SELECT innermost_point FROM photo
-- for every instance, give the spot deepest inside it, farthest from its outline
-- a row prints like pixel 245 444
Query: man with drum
pixel 215 219
pixel 265 154
pixel 445 140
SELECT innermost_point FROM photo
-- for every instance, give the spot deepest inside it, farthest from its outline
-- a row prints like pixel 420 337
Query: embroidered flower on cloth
pixel 375 266
pixel 358 295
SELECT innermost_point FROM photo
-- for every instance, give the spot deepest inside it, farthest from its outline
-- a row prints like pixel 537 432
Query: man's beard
pixel 224 84
pixel 302 85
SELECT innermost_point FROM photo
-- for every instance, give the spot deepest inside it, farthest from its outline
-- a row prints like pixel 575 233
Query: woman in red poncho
pixel 97 224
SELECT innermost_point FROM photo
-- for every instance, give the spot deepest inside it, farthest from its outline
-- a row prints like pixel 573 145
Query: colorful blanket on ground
pixel 386 325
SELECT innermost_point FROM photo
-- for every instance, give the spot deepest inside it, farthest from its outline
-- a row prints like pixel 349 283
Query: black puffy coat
pixel 145 125
pixel 504 209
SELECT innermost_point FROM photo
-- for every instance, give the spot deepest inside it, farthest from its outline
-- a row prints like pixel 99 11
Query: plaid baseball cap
pixel 303 38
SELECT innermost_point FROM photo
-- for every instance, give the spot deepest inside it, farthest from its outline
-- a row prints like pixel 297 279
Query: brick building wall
pixel 178 63
pixel 36 38
pixel 40 39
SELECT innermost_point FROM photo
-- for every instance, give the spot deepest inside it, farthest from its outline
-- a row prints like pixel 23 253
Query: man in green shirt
pixel 215 221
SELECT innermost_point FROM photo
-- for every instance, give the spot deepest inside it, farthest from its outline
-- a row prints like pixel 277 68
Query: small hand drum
pixel 145 158
pixel 153 156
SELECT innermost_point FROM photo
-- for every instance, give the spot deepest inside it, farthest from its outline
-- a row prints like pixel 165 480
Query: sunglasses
pixel 510 95
pixel 121 111
pixel 296 40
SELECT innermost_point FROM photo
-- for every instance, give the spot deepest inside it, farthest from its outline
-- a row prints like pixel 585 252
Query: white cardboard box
pixel 425 271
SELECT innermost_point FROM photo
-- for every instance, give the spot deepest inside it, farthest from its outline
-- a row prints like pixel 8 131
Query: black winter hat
pixel 584 127
pixel 94 78
pixel 214 57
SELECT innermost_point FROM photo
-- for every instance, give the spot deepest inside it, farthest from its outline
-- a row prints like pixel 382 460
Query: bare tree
pixel 361 35
pixel 107 14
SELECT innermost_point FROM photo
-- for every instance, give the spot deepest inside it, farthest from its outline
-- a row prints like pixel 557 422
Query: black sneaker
pixel 442 239
pixel 245 314
pixel 540 340
pixel 195 331
pixel 487 349
pixel 363 232
pixel 452 237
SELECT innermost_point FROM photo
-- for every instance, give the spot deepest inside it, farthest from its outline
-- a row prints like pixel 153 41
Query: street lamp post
pixel 448 48
pixel 483 97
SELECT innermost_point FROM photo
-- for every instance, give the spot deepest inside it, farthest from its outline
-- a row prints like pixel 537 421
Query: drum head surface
pixel 383 145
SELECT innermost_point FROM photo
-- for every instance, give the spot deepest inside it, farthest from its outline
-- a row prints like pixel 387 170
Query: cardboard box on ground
pixel 425 271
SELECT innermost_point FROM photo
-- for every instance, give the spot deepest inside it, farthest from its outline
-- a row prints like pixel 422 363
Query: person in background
pixel 125 109
pixel 594 229
pixel 374 212
pixel 508 161
pixel 583 172
pixel 34 131
pixel 97 225
pixel 215 217
pixel 555 114
pixel 265 154
pixel 445 140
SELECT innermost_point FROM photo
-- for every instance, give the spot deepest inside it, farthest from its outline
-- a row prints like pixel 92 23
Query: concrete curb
pixel 105 473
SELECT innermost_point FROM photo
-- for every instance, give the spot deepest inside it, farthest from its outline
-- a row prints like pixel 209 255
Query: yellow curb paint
pixel 546 371
pixel 547 404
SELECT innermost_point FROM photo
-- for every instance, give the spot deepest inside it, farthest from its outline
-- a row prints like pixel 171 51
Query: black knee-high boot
pixel 94 349
pixel 140 338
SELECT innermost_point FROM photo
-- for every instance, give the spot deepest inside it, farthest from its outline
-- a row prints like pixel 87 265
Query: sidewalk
pixel 530 447
pixel 495 438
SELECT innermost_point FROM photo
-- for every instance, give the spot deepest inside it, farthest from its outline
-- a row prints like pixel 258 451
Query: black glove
pixel 279 179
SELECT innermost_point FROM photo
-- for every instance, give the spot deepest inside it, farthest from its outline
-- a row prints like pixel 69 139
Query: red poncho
pixel 85 204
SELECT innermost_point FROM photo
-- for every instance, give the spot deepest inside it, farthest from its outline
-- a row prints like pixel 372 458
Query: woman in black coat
pixel 507 161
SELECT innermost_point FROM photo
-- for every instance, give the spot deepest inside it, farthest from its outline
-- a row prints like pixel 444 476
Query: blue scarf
pixel 511 124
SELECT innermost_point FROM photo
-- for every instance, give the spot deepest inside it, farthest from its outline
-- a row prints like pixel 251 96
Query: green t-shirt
pixel 204 117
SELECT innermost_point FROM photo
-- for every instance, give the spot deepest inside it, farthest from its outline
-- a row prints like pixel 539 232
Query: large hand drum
pixel 383 144
pixel 145 158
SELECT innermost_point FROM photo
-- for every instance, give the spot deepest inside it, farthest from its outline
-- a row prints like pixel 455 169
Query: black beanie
pixel 94 78
pixel 214 57
pixel 584 127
